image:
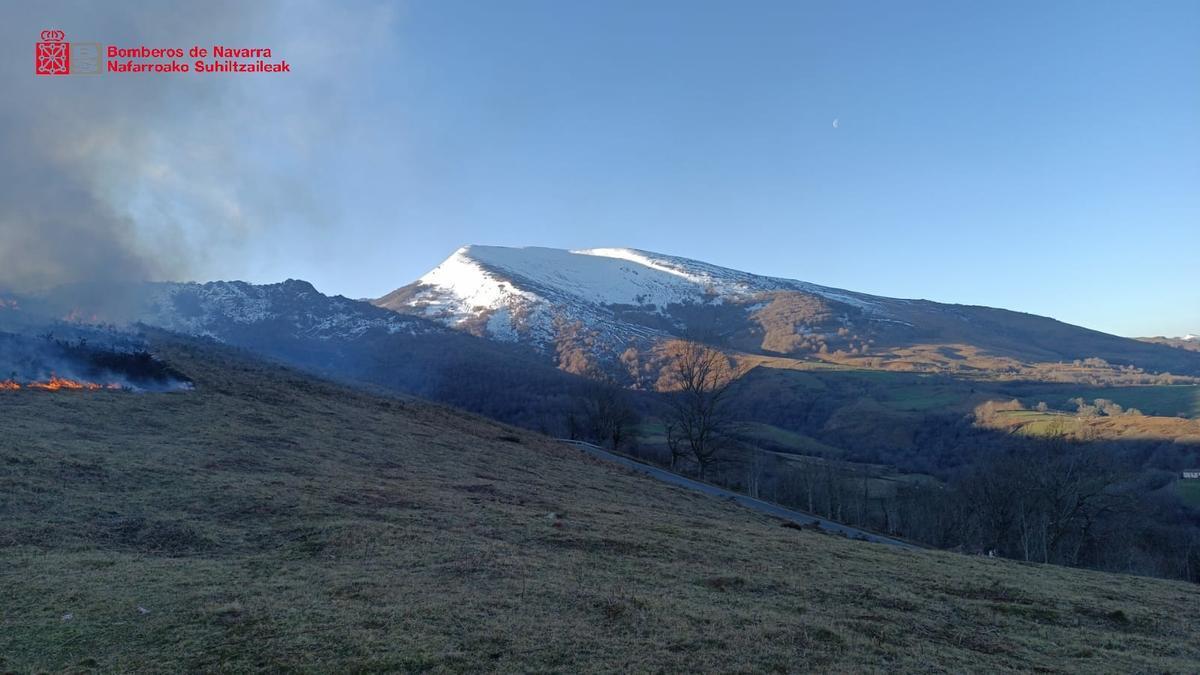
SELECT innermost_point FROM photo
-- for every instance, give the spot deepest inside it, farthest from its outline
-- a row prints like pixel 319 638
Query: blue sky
pixel 1037 156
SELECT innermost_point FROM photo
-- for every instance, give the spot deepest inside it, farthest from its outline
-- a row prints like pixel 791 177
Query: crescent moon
pixel 835 123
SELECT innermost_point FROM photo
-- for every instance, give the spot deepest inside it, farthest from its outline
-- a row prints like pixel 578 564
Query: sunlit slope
pixel 270 520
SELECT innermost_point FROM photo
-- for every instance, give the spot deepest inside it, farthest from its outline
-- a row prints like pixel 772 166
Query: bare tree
pixel 758 471
pixel 1044 502
pixel 806 479
pixel 605 414
pixel 674 444
pixel 700 379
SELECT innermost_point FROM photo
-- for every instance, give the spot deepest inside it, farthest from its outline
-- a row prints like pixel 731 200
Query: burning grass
pixel 87 360
pixel 56 383
pixel 269 521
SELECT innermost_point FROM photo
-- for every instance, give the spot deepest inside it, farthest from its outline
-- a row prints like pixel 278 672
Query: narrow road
pixel 798 517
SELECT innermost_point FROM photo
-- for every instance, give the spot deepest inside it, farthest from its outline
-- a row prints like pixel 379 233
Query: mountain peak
pixel 624 294
pixel 604 300
pixel 482 276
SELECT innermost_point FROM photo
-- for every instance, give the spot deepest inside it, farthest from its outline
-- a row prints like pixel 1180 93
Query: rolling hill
pixel 270 520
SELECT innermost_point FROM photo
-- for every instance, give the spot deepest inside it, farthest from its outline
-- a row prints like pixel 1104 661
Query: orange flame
pixel 56 383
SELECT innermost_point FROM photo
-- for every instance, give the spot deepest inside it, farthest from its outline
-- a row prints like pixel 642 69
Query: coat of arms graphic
pixel 53 54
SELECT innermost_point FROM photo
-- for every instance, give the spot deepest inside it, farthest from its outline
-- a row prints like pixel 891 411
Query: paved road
pixel 798 517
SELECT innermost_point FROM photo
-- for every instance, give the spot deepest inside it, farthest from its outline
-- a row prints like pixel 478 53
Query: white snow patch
pixel 465 285
pixel 500 325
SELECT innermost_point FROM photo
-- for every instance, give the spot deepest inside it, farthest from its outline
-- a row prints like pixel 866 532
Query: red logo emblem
pixel 52 55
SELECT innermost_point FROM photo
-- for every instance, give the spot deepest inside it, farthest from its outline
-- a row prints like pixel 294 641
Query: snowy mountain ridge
pixel 221 310
pixel 524 294
pixel 479 276
pixel 588 307
pixel 213 309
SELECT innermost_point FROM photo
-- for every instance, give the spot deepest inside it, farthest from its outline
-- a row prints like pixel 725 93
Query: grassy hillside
pixel 1163 401
pixel 1034 423
pixel 268 519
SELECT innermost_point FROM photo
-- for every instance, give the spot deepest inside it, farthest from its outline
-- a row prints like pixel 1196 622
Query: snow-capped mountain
pixel 605 300
pixel 529 294
pixel 498 277
pixel 222 309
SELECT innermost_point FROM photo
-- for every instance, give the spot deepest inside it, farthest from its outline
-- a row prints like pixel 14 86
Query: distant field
pixel 918 398
pixel 653 433
pixel 1156 400
pixel 1189 492
pixel 789 441
pixel 902 391
pixel 1035 423
pixel 919 393
pixel 789 363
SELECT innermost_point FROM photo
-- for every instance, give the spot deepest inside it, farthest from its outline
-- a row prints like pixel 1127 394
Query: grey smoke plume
pixel 126 177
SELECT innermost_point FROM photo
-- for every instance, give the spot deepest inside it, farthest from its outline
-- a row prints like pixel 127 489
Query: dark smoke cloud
pixel 53 227
pixel 119 177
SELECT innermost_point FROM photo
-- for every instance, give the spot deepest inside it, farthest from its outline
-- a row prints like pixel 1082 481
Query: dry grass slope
pixel 269 520
pixel 1130 427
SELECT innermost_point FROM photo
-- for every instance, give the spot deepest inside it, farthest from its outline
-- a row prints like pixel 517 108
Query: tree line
pixel 1049 500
